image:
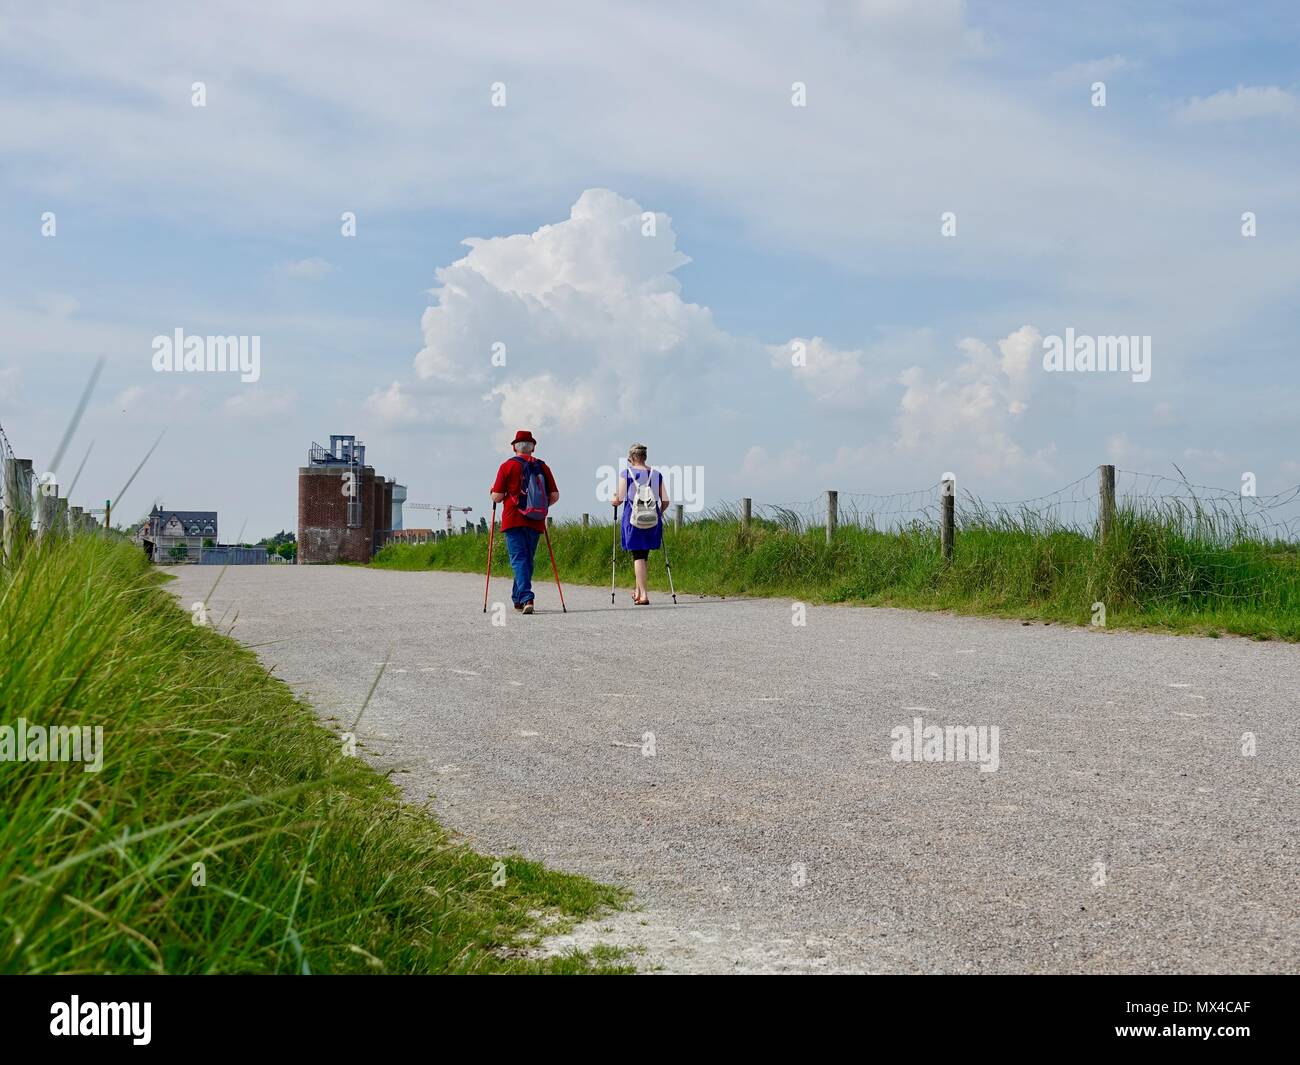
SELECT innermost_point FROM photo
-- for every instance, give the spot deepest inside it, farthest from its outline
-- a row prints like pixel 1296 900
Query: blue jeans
pixel 521 545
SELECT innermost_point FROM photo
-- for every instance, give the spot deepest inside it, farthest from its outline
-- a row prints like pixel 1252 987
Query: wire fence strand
pixel 1217 515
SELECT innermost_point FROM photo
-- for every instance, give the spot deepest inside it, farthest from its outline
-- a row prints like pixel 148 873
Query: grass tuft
pixel 1170 568
pixel 310 862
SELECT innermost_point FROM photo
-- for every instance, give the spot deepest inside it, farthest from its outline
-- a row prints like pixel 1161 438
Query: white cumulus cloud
pixel 579 331
pixel 831 375
pixel 569 323
pixel 306 269
pixel 10 381
pixel 1241 104
pixel 393 405
pixel 1091 70
pixel 259 403
pixel 972 410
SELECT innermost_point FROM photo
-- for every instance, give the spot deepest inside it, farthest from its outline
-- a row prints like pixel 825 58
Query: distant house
pixel 171 536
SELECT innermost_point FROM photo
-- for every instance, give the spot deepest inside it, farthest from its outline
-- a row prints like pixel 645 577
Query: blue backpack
pixel 533 497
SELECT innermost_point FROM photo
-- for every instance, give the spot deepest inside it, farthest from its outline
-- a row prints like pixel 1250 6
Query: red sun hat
pixel 523 436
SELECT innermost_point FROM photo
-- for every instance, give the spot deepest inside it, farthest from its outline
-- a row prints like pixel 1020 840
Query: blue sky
pixel 817 224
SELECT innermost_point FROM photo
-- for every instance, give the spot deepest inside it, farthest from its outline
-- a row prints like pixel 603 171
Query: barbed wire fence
pixel 866 510
pixel 1084 506
pixel 15 500
pixel 1215 513
pixel 1075 507
pixel 26 501
pixel 1181 541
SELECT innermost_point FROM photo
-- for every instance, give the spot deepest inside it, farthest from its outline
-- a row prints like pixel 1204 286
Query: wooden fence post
pixel 948 525
pixel 678 510
pixel 746 510
pixel 832 513
pixel 44 502
pixel 13 510
pixel 586 521
pixel 27 494
pixel 18 505
pixel 1107 504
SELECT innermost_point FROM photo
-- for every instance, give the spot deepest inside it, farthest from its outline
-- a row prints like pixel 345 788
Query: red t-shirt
pixel 510 480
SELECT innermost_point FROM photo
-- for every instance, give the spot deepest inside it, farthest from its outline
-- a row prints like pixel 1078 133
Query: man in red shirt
pixel 521 533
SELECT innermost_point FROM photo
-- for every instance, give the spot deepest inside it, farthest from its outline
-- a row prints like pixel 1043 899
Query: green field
pixel 309 861
pixel 1155 571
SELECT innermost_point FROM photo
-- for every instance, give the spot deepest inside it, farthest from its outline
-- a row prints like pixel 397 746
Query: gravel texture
pixel 771 830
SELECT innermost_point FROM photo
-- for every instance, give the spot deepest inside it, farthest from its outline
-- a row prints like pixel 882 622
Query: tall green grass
pixel 1160 568
pixel 310 861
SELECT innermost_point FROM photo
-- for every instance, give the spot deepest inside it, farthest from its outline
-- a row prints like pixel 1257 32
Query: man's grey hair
pixel 524 446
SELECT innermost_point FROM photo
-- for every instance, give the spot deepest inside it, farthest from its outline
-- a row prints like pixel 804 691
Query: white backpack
pixel 645 505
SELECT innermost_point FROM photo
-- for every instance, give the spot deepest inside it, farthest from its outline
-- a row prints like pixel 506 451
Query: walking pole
pixel 491 534
pixel 669 566
pixel 613 555
pixel 554 568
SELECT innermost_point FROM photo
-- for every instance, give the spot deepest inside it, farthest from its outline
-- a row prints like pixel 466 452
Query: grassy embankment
pixel 1156 571
pixel 310 862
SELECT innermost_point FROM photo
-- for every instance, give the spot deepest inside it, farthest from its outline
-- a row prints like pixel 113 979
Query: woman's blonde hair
pixel 637 452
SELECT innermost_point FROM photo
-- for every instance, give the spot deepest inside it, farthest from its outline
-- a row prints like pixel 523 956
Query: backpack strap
pixel 526 473
pixel 528 465
pixel 650 475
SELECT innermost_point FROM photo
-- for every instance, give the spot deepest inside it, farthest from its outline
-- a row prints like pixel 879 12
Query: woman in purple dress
pixel 640 541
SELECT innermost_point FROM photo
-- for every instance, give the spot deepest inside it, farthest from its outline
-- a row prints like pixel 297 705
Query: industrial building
pixel 345 510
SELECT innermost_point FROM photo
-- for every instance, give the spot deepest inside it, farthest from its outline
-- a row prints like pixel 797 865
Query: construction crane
pixel 441 506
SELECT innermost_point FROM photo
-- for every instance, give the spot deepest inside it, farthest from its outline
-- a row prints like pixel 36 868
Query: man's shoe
pixel 519 606
pixel 528 607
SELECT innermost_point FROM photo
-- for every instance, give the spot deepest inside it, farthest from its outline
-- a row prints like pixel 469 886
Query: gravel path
pixel 771 830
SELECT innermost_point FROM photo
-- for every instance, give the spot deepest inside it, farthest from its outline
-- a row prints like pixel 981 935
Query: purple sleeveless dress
pixel 635 539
